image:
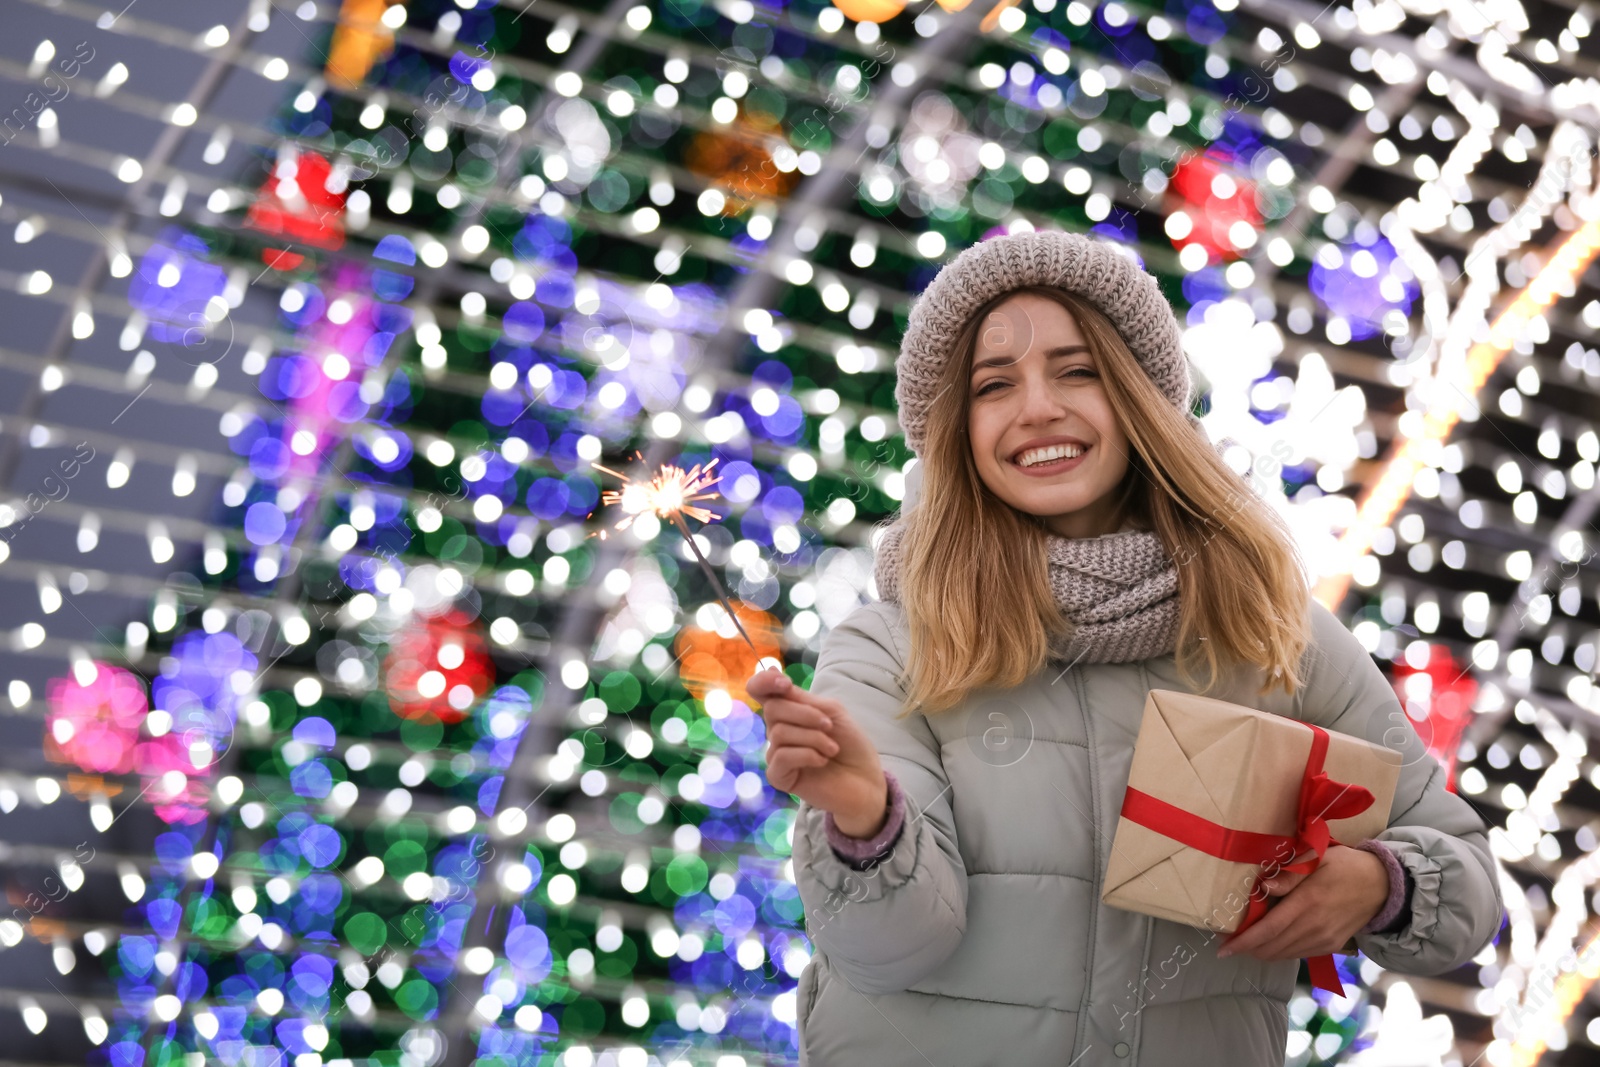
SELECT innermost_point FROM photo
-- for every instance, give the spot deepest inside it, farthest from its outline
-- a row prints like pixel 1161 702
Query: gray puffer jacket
pixel 981 938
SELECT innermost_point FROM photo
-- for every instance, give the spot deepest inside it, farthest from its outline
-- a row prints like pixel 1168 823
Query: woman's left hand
pixel 1317 912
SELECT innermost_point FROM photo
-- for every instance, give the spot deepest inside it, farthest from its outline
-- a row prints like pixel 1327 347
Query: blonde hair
pixel 965 551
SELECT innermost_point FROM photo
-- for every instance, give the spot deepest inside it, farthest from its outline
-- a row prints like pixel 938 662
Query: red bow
pixel 1321 799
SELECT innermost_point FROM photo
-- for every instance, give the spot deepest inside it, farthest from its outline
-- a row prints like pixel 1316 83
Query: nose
pixel 1041 404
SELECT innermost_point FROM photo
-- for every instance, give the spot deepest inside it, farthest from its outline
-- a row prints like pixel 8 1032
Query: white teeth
pixel 1036 456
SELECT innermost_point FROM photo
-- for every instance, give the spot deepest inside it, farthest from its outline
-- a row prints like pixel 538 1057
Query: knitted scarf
pixel 1119 591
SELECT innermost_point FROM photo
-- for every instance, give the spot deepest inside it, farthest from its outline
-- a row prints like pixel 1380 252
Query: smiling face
pixel 1044 436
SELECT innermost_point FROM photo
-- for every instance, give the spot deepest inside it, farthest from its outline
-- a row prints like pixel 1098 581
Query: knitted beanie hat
pixel 1091 268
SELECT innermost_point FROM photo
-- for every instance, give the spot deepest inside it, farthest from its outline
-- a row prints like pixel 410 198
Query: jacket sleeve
pixel 1456 906
pixel 885 928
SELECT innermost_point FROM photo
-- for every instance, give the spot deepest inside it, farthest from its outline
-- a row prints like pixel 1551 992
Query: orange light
pixel 359 40
pixel 870 10
pixel 990 21
pixel 1390 490
pixel 89 786
pixel 707 660
pixel 1567 991
pixel 738 160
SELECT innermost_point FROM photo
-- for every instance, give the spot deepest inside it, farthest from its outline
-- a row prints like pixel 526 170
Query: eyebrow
pixel 1054 353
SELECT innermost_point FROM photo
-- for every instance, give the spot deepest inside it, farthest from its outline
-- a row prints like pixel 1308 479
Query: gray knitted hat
pixel 1091 268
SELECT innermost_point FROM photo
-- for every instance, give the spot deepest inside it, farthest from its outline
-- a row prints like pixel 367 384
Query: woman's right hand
pixel 816 751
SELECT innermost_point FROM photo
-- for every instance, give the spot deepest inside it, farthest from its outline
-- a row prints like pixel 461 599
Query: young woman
pixel 963 751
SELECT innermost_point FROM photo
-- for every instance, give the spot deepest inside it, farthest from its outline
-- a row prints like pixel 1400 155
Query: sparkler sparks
pixel 670 492
pixel 671 495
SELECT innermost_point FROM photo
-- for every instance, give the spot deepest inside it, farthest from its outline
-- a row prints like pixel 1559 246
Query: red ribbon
pixel 1321 799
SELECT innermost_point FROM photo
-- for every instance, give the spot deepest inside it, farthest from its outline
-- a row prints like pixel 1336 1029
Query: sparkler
pixel 671 495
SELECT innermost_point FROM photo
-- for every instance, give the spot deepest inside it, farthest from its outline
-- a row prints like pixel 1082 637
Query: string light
pixel 1391 488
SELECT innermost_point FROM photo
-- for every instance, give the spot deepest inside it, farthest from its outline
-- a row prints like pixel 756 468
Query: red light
pixel 314 217
pixel 1448 706
pixel 1193 191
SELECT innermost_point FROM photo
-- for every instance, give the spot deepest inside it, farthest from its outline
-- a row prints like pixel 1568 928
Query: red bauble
pixel 438 669
pixel 1196 187
pixel 300 208
pixel 1443 715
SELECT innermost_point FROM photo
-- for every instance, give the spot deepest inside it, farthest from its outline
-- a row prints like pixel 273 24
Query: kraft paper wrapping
pixel 1240 768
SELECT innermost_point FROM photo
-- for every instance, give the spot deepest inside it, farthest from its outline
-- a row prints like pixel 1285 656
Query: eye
pixel 1073 370
pixel 985 387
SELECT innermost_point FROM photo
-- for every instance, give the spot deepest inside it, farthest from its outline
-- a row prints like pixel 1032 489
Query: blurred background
pixel 347 717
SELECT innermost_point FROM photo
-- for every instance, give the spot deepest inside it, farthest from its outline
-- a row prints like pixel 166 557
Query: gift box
pixel 1219 793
